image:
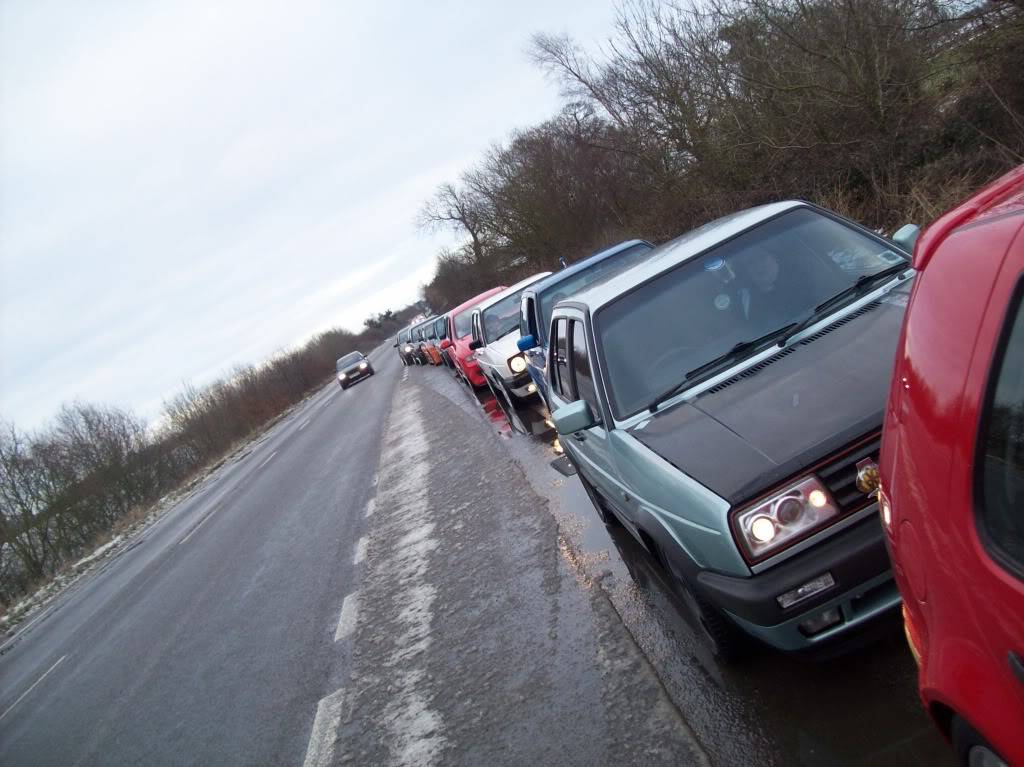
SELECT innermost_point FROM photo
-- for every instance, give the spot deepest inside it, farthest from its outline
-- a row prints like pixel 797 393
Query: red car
pixel 952 473
pixel 460 334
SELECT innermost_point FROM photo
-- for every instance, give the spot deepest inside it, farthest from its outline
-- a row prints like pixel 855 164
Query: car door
pixel 536 357
pixel 997 574
pixel 572 379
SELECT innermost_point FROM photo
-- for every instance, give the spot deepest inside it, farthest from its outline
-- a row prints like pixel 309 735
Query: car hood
pixel 787 413
pixel 498 352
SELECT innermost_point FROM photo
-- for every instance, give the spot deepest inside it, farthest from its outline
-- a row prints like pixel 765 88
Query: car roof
pixel 471 303
pixel 584 264
pixel 511 289
pixel 681 249
pixel 1003 196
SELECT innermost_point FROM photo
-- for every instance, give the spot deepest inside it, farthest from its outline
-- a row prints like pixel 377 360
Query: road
pixel 374 582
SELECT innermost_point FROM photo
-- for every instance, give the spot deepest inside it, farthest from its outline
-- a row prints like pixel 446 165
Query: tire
pixel 971 749
pixel 724 638
pixel 606 515
pixel 344 386
pixel 727 642
pixel 370 371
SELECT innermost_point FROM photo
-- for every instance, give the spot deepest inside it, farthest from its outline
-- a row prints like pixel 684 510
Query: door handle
pixel 1016 665
pixel 580 436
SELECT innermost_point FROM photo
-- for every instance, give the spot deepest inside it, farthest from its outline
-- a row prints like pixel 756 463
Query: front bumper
pixel 864 590
pixel 355 375
pixel 521 385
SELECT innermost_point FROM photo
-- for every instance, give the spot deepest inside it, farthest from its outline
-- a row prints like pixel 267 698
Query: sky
pixel 186 186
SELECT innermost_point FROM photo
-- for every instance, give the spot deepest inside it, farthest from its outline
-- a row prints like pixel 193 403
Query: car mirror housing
pixel 906 236
pixel 573 417
pixel 525 343
pixel 475 344
pixel 446 344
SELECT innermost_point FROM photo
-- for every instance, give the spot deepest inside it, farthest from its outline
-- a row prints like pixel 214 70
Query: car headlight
pixel 780 520
pixel 342 376
pixel 363 366
pixel 408 349
pixel 517 364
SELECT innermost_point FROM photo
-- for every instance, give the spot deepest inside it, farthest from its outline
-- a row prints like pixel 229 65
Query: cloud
pixel 188 186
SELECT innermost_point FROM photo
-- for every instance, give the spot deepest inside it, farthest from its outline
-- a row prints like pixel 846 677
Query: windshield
pixel 463 322
pixel 762 280
pixel 502 318
pixel 348 361
pixel 602 270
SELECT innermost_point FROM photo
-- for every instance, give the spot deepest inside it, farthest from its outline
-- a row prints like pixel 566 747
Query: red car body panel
pixel 459 352
pixel 964 611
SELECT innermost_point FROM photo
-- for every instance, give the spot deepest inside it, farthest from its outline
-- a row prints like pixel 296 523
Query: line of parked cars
pixel 810 429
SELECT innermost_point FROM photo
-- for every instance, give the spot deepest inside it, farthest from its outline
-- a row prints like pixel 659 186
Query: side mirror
pixel 573 417
pixel 475 344
pixel 906 236
pixel 525 343
pixel 446 344
pixel 395 344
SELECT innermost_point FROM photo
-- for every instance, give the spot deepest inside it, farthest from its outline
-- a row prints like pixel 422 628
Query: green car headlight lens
pixel 784 517
pixel 517 364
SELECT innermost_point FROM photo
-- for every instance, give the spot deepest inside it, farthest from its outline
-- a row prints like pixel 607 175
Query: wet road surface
pixel 858 709
pixel 373 581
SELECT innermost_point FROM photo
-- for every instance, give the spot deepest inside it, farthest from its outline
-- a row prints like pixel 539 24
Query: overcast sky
pixel 189 185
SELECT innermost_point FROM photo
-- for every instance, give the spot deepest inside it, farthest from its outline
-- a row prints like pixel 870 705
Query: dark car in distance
pixel 351 368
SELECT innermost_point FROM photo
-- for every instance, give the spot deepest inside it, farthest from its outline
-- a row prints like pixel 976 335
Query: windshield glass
pixel 348 360
pixel 762 280
pixel 602 270
pixel 463 322
pixel 502 318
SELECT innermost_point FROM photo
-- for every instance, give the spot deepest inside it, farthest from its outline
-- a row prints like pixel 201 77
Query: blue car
pixel 539 300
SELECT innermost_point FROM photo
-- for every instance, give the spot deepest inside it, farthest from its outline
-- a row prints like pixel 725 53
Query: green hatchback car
pixel 723 400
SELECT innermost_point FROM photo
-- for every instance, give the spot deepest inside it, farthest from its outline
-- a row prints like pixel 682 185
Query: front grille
pixel 840 475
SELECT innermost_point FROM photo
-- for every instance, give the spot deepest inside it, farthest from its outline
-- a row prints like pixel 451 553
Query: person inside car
pixel 768 295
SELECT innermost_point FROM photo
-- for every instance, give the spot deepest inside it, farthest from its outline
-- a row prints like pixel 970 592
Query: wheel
pixel 607 516
pixel 726 640
pixel 971 749
pixel 344 386
pixel 369 371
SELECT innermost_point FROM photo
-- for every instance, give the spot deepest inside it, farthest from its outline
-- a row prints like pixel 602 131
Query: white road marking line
pixel 266 460
pixel 371 505
pixel 30 689
pixel 349 616
pixel 201 523
pixel 320 751
pixel 360 551
pixel 304 424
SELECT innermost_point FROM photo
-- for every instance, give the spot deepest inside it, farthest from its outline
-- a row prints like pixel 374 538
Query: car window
pixel 501 318
pixel 349 359
pixel 560 375
pixel 767 277
pixel 1001 465
pixel 583 378
pixel 463 323
pixel 586 278
pixel 527 323
pixel 439 327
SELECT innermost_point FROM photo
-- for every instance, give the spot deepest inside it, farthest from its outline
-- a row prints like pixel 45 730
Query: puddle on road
pixel 860 709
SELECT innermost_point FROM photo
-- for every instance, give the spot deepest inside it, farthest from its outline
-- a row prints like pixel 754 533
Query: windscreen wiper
pixel 739 350
pixel 863 285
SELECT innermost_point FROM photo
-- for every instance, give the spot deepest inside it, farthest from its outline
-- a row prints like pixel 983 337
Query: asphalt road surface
pixel 374 582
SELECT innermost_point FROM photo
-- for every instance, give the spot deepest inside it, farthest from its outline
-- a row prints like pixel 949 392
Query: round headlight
pixel 341 377
pixel 408 349
pixel 788 510
pixel 363 366
pixel 517 364
pixel 763 529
